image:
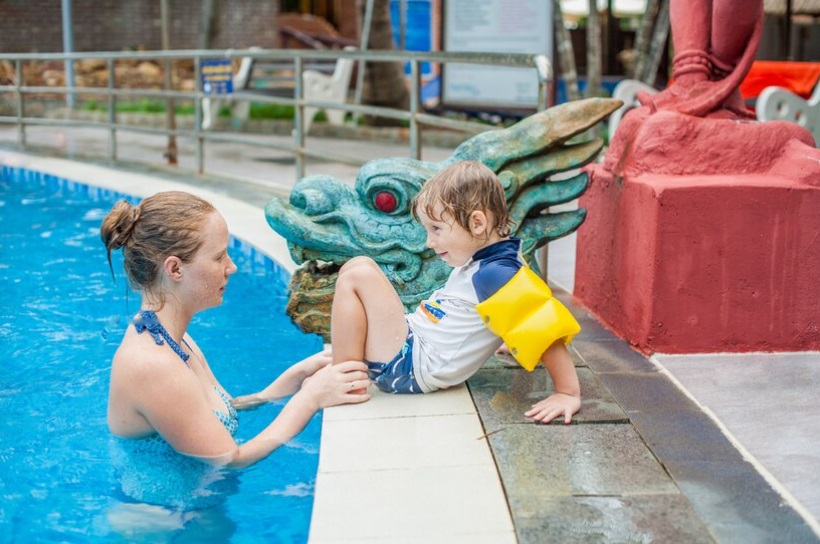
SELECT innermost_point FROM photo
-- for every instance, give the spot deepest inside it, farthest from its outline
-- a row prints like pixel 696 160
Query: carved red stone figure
pixel 715 42
pixel 701 234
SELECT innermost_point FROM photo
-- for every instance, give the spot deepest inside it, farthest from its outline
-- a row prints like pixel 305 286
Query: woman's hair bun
pixel 118 225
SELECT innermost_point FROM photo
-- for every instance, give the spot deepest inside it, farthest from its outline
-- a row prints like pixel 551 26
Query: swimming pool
pixel 62 475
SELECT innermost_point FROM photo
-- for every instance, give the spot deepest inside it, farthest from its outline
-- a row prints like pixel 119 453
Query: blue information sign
pixel 217 76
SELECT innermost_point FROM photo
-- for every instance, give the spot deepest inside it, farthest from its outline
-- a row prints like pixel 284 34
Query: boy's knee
pixel 357 269
pixel 357 263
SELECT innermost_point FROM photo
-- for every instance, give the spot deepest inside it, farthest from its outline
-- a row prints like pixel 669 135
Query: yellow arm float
pixel 527 317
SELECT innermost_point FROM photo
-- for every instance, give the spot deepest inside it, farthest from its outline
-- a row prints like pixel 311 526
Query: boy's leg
pixel 367 320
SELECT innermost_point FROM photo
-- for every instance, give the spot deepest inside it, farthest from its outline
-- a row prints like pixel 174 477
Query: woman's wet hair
pixel 460 189
pixel 163 225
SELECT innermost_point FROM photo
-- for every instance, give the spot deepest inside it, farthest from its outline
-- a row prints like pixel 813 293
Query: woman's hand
pixel 331 385
pixel 248 402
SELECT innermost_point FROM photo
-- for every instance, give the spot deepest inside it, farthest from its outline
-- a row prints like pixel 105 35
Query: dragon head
pixel 326 222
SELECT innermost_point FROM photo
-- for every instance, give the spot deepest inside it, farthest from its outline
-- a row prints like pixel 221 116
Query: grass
pixel 266 111
pixel 145 105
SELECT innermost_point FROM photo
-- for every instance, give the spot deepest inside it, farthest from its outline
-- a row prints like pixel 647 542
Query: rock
pixel 54 78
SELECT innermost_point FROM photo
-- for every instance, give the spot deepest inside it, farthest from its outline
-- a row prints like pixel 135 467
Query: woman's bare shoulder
pixel 140 355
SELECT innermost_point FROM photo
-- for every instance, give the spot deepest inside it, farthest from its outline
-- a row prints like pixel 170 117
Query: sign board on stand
pixel 495 26
pixel 217 76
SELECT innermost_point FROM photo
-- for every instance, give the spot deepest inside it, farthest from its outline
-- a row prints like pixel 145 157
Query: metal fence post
pixel 112 112
pixel 544 70
pixel 68 47
pixel 415 94
pixel 168 66
pixel 199 155
pixel 299 119
pixel 21 128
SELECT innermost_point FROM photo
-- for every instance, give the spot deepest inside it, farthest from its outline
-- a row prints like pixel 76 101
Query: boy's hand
pixel 553 406
pixel 309 365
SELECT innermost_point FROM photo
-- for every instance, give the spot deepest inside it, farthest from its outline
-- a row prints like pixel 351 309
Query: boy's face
pixel 452 242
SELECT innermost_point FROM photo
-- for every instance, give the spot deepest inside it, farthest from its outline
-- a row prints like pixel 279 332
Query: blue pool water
pixel 62 476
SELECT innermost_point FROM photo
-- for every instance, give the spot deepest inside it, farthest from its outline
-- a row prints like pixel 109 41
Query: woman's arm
pixel 329 386
pixel 288 383
pixel 175 406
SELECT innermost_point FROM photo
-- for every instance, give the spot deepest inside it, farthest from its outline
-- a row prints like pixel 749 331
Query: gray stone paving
pixel 640 463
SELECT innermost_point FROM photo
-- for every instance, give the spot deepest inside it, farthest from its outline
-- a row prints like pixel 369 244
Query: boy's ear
pixel 478 223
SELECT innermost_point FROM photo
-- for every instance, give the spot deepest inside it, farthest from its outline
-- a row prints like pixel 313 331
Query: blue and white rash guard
pixel 451 340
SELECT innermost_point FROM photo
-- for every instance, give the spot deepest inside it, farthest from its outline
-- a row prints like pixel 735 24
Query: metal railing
pixel 414 115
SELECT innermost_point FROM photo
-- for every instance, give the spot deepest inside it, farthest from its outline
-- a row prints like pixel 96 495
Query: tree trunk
pixel 642 40
pixel 566 53
pixel 210 26
pixel 658 44
pixel 593 51
pixel 384 82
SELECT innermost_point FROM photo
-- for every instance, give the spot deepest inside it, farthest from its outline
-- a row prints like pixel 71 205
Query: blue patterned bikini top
pixel 148 321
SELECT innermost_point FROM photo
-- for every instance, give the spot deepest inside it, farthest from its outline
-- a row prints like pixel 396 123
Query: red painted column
pixel 686 264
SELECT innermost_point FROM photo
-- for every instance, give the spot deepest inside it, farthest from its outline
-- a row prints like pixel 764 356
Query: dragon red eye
pixel 385 201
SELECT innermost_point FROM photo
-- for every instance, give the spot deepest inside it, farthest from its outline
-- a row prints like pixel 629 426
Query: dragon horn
pixel 544 195
pixel 566 157
pixel 535 134
pixel 545 228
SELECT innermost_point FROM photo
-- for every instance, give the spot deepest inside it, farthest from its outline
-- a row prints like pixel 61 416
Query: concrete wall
pixel 114 25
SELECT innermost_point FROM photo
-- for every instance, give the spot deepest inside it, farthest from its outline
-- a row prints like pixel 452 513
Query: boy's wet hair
pixel 461 189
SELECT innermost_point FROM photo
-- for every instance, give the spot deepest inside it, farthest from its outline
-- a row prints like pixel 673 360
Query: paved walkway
pixel 706 448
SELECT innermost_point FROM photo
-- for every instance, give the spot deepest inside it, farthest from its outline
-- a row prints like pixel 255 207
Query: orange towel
pixel 798 77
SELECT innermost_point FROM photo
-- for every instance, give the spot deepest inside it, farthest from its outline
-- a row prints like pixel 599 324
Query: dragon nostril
pixel 297 200
pixel 311 201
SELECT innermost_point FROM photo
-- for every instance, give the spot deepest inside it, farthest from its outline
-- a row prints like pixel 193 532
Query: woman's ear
pixel 173 268
pixel 478 224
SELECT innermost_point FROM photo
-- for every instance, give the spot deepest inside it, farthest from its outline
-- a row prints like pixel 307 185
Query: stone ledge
pixel 695 264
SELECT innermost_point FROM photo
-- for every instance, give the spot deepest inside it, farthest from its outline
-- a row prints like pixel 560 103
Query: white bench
pixel 627 92
pixel 779 104
pixel 317 87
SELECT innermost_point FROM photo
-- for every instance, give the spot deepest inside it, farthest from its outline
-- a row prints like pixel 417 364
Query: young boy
pixel 490 297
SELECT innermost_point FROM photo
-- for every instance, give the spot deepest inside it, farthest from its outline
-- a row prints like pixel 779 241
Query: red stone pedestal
pixel 687 264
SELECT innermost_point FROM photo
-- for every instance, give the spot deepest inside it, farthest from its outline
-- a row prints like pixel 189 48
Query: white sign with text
pixel 495 26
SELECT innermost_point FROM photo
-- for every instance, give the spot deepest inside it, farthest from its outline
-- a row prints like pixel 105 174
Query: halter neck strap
pixel 148 321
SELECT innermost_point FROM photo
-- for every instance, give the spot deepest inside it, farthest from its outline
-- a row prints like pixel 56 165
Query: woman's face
pixel 206 276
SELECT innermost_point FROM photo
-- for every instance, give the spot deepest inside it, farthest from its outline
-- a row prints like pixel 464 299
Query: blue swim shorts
pixel 396 376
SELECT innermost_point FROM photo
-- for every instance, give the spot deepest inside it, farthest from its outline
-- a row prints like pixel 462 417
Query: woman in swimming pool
pixel 175 252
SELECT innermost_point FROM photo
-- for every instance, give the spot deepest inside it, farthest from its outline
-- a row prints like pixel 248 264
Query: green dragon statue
pixel 326 222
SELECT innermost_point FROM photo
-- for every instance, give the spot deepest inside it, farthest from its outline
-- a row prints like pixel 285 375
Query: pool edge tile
pixel 447 501
pixel 409 442
pixel 453 401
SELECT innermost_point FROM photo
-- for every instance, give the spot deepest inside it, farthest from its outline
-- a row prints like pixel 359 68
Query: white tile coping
pixel 408 468
pixel 395 469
